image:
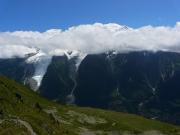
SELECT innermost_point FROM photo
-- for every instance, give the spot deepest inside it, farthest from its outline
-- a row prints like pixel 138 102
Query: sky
pixel 88 26
pixel 41 15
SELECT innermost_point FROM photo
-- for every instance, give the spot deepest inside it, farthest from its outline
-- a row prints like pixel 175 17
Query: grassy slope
pixel 62 120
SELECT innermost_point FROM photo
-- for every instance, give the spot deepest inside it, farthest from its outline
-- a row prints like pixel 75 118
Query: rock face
pixel 17 69
pixel 59 79
pixel 145 83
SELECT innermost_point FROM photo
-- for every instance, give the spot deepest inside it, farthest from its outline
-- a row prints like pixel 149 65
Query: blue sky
pixel 40 15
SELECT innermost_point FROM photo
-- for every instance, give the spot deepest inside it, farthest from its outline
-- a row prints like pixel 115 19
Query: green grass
pixel 72 118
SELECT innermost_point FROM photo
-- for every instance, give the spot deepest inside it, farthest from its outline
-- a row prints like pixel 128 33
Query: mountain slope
pixel 58 80
pixel 23 112
pixel 144 83
pixel 16 68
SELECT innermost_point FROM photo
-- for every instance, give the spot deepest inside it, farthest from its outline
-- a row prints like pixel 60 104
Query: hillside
pixel 24 112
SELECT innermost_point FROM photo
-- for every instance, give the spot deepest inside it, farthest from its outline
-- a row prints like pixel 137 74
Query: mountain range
pixel 139 82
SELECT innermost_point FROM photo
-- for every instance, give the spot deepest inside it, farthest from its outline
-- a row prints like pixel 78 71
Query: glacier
pixel 41 61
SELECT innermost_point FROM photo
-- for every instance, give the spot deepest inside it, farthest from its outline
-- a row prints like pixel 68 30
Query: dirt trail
pixel 21 122
pixel 55 116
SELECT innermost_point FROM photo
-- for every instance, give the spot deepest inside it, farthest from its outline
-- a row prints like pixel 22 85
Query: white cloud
pixel 8 51
pixel 91 38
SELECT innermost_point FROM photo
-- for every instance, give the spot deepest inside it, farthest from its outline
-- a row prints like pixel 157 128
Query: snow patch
pixel 78 55
pixel 41 62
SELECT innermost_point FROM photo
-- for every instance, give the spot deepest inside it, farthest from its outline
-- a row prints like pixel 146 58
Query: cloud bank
pixel 91 38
